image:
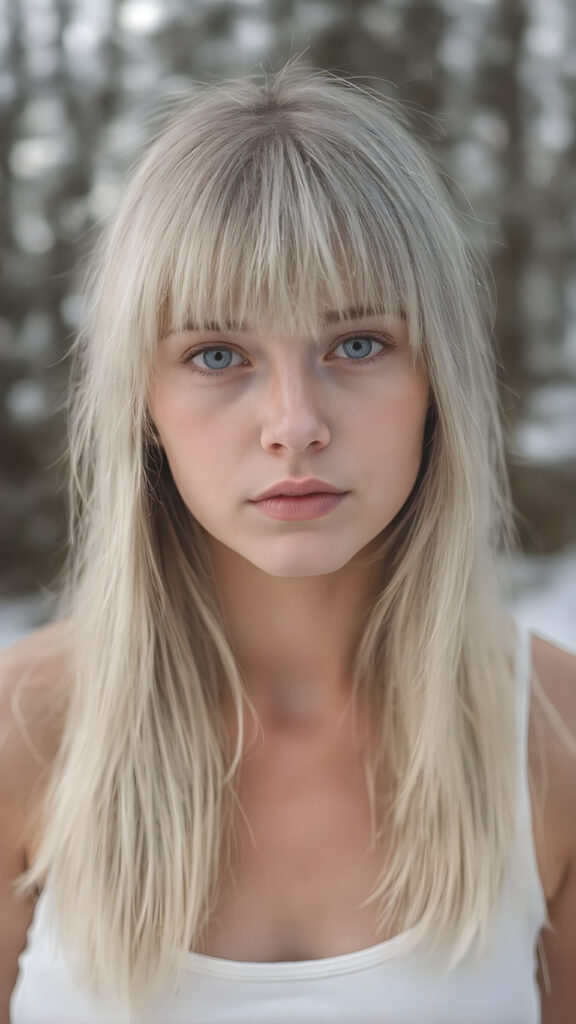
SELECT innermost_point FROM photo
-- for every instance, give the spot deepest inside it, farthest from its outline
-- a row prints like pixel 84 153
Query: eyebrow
pixel 351 313
pixel 333 316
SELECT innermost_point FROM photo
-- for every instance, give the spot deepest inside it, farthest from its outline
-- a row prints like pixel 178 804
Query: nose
pixel 294 418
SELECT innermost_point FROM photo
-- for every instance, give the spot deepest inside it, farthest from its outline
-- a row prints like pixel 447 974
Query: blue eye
pixel 220 356
pixel 360 343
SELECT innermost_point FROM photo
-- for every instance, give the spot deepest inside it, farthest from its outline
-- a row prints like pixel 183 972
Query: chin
pixel 303 564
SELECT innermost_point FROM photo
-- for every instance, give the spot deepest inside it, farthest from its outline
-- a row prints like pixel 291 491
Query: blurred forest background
pixel 81 85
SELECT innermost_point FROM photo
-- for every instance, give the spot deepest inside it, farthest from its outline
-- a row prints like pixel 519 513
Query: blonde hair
pixel 263 198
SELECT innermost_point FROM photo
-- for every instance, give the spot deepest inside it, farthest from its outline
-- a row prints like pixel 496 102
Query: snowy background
pixel 491 87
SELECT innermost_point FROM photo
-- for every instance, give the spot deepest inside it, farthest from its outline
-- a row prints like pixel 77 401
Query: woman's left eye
pixel 357 349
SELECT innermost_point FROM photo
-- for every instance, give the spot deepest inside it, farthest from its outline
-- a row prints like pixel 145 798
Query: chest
pixel 302 863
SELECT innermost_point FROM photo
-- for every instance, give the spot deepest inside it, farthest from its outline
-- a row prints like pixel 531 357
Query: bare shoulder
pixel 555 669
pixel 553 758
pixel 34 689
pixel 35 684
pixel 552 752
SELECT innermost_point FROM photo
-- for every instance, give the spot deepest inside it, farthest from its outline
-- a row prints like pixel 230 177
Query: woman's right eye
pixel 220 360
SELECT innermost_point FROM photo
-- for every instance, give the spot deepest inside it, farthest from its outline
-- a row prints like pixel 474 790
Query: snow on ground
pixel 546 596
pixel 19 615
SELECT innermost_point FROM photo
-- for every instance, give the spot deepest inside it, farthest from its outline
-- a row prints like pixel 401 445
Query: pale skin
pixel 302 407
pixel 292 409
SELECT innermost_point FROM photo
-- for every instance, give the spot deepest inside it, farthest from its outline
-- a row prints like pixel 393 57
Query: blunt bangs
pixel 279 242
pixel 269 217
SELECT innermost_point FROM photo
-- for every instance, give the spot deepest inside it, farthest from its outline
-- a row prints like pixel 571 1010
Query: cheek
pixel 200 455
pixel 398 450
pixel 399 418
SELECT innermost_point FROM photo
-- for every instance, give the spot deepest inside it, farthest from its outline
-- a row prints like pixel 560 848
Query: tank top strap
pixel 523 675
pixel 526 849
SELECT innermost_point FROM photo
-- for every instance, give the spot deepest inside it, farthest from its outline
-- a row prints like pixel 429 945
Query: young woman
pixel 273 760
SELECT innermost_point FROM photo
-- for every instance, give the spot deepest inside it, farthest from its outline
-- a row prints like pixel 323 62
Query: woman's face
pixel 347 406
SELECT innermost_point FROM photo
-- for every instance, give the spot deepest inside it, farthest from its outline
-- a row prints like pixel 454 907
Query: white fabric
pixel 379 985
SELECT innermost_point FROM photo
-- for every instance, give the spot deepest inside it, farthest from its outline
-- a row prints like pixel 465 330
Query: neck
pixel 295 638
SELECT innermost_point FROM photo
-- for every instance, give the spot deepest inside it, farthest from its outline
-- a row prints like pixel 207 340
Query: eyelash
pixel 387 344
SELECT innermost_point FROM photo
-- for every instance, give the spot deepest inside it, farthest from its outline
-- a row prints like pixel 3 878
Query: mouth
pixel 300 506
pixel 294 497
pixel 299 489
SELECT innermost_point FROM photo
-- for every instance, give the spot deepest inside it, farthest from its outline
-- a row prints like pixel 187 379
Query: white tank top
pixel 383 984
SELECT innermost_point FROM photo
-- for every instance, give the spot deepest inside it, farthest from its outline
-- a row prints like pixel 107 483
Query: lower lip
pixel 309 506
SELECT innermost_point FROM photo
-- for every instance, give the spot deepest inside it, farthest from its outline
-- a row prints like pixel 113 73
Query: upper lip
pixel 298 487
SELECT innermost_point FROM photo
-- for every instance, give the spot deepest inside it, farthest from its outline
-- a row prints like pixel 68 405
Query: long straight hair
pixel 260 200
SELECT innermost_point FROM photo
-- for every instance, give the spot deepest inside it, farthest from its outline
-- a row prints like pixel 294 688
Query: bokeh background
pixel 82 83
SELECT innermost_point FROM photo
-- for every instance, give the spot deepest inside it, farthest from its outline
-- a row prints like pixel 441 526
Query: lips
pixel 291 508
pixel 298 489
